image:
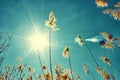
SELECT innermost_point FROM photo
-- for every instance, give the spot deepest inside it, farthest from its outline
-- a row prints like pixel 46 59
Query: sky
pixel 74 17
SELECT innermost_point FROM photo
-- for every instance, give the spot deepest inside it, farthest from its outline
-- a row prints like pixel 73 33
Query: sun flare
pixel 38 41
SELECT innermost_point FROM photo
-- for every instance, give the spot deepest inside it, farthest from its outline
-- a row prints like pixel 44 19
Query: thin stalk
pixel 105 52
pixel 70 67
pixel 34 75
pixel 50 53
pixel 40 62
pixel 92 75
pixel 116 68
pixel 92 55
pixel 109 70
pixel 108 67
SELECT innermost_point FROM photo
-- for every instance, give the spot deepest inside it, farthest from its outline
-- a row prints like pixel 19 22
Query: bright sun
pixel 38 41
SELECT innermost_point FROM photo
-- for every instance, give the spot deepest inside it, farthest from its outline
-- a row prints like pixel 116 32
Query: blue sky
pixel 73 17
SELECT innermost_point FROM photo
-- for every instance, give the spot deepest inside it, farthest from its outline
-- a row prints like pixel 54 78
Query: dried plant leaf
pixel 66 52
pixel 101 3
pixel 79 40
pixel 51 23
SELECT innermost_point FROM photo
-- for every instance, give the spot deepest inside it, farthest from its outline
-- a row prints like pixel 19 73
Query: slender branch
pixel 6 44
pixel 2 59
